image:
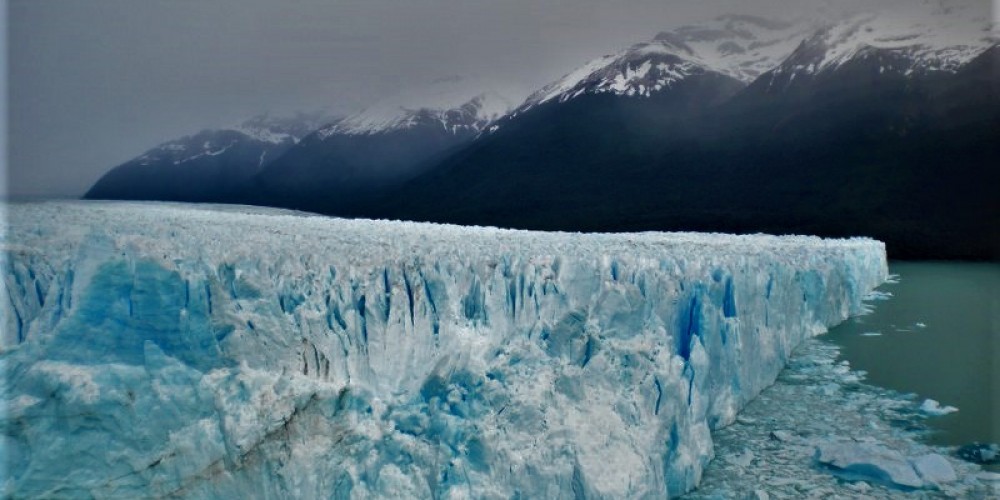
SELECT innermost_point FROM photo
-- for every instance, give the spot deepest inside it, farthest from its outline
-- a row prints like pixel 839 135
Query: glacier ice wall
pixel 232 352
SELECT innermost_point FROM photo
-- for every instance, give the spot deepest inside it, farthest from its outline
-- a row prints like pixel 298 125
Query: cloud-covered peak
pixel 456 103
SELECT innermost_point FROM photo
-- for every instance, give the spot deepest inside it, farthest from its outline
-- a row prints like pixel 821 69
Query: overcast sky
pixel 94 83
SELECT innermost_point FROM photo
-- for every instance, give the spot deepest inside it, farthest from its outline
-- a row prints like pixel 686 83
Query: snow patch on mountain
pixel 741 46
pixel 562 89
pixel 208 150
pixel 279 129
pixel 270 131
pixel 456 104
pixel 926 37
pixel 189 148
pixel 738 46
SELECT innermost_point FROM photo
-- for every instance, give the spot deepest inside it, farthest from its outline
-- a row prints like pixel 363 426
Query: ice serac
pixel 227 352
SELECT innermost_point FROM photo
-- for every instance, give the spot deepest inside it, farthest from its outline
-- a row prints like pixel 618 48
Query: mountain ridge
pixel 652 135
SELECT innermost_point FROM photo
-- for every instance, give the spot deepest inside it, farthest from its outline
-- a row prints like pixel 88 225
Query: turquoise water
pixel 937 336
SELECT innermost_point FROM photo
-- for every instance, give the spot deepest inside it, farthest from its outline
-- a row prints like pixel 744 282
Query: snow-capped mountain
pixel 740 47
pixel 279 129
pixel 382 146
pixel 212 165
pixel 933 36
pixel 190 148
pixel 269 133
pixel 312 161
pixel 455 104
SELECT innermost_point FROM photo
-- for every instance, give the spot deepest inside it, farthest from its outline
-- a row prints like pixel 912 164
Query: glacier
pixel 207 351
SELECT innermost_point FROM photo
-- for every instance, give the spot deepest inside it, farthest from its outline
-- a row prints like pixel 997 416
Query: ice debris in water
pixel 872 434
pixel 980 453
pixel 230 352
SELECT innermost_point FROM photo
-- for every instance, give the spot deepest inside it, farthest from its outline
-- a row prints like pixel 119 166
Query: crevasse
pixel 154 349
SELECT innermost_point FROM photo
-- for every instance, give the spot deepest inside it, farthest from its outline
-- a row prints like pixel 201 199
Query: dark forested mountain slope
pixel 858 150
pixel 336 168
pixel 210 166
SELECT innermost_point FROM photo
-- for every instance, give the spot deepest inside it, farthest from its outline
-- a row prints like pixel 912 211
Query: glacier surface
pixel 157 349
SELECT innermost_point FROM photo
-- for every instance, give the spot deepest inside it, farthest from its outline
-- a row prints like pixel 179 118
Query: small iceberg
pixel 932 407
pixel 874 462
pixel 870 462
pixel 934 469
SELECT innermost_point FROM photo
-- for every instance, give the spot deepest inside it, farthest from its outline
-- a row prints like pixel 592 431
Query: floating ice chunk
pixel 932 407
pixel 743 459
pixel 783 436
pixel 992 477
pixel 877 295
pixel 869 462
pixel 920 325
pixel 934 468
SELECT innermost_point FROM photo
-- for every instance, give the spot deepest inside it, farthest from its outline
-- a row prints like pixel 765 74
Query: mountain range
pixel 209 166
pixel 876 125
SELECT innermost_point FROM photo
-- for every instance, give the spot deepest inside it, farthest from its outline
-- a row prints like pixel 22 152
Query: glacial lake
pixel 937 336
